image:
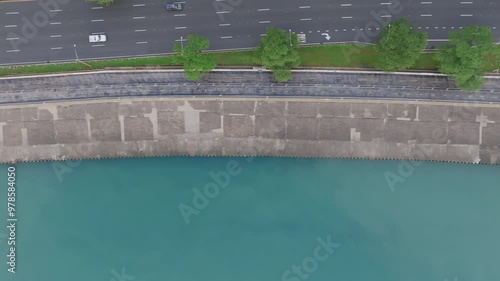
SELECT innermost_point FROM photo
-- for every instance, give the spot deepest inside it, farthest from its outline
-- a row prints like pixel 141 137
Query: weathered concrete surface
pixel 250 126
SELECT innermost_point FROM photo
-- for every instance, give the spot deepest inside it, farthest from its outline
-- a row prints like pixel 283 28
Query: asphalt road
pixel 37 32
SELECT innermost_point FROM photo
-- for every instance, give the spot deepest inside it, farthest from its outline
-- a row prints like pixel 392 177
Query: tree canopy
pixel 195 63
pixel 464 58
pixel 102 2
pixel 278 52
pixel 400 46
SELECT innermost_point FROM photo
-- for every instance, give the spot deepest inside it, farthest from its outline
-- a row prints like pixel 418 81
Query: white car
pixel 96 38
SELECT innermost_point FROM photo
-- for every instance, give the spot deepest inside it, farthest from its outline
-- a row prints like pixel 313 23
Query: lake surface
pixel 253 219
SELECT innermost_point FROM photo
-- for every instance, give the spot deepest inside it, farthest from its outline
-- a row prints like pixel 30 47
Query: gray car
pixel 174 6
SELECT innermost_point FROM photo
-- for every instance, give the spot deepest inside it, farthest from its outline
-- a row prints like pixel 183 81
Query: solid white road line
pixel 55 36
pixel 56 48
pixel 140 30
pixel 226 37
pixel 180 27
pixel 13 25
pixel 138 18
pixel 262 10
pixel 96 20
pixel 224 24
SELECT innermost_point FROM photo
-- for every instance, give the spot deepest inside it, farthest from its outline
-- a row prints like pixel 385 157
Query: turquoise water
pixel 119 220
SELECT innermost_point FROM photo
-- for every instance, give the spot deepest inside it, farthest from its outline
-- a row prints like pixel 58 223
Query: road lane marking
pixel 100 45
pixel 140 30
pixel 55 11
pixel 304 7
pixel 466 15
pixel 386 3
pixel 223 12
pixel 56 22
pixel 346 17
pixel 385 16
pixel 141 43
pixel 180 27
pixel 466 3
pixel 96 20
pixel 96 8
pixel 56 48
pixel 13 25
pixel 12 51
pixel 139 5
pixel 426 15
pixel 179 15
pixel 138 18
pixel 262 10
pixel 345 5
pixel 306 19
pixel 265 21
pixel 224 24
pixel 55 36
pixel 226 37
pixel 12 38
pixel 425 3
pixel 12 13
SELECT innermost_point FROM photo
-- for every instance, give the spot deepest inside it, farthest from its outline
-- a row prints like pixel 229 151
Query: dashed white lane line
pixel 346 17
pixel 224 24
pixel 180 27
pixel 138 43
pixel 226 37
pixel 97 20
pixel 138 18
pixel 55 36
pixel 222 12
pixel 466 3
pixel 12 38
pixel 12 13
pixel 99 45
pixel 55 23
pixel 304 7
pixel 306 19
pixel 426 3
pixel 12 25
pixel 466 15
pixel 55 11
pixel 263 10
pixel 12 51
pixel 56 48
pixel 345 5
pixel 179 15
pixel 265 21
pixel 426 15
pixel 139 5
pixel 385 3
pixel 96 8
pixel 140 30
pixel 386 16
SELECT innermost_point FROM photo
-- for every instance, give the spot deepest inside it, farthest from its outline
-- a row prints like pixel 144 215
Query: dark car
pixel 174 6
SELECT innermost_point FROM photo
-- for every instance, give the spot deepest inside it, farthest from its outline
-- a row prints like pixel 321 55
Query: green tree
pixel 102 2
pixel 400 46
pixel 195 63
pixel 278 52
pixel 464 58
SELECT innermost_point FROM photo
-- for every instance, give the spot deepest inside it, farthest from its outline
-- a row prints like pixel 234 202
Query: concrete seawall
pixel 298 127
